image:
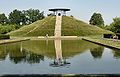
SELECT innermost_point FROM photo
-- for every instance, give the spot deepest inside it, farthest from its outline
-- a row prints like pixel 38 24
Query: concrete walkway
pixel 13 40
pixel 57 32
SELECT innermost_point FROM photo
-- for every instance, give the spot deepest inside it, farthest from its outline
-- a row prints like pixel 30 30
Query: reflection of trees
pixel 116 53
pixel 71 48
pixel 18 54
pixel 97 52
pixel 34 58
pixel 25 57
pixel 3 55
pixel 15 53
pixel 3 52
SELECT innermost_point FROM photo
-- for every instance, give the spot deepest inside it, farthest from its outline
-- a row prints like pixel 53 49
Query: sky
pixel 80 9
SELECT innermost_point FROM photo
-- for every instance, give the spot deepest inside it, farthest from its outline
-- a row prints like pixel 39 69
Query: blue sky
pixel 80 9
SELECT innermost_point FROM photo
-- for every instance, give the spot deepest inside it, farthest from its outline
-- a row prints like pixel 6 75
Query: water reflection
pixel 3 52
pixel 59 61
pixel 37 57
pixel 18 54
pixel 116 53
pixel 58 50
pixel 97 52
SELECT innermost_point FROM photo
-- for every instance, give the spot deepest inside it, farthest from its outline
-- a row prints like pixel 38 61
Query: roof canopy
pixel 59 9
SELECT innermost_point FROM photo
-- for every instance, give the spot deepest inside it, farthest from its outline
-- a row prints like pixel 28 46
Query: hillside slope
pixel 38 28
pixel 70 27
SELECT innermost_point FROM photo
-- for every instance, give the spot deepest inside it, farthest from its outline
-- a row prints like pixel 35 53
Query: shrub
pixel 2 36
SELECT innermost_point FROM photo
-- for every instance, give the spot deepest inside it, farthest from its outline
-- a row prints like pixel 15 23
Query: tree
pixel 3 19
pixel 115 25
pixel 96 19
pixel 97 52
pixel 33 15
pixel 17 17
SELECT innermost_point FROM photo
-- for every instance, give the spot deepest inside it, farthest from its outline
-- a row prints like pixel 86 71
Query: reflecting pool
pixel 58 57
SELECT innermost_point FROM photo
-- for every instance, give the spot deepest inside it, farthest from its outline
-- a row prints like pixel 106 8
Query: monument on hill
pixel 59 11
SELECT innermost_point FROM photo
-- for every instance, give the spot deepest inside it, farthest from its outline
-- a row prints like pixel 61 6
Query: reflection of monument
pixel 59 61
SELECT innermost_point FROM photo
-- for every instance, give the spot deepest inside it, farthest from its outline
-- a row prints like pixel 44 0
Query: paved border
pixel 12 41
pixel 113 47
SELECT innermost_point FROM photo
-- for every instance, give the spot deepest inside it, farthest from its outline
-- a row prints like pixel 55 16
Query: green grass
pixel 38 28
pixel 108 42
pixel 70 27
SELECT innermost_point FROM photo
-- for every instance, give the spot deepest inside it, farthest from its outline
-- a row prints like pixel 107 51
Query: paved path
pixel 57 32
pixel 13 40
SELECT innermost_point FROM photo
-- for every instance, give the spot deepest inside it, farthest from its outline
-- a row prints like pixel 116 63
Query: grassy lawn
pixel 74 27
pixel 108 42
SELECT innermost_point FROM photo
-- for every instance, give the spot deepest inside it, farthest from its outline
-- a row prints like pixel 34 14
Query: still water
pixel 58 57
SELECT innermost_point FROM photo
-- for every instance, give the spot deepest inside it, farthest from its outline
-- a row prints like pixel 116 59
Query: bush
pixel 8 28
pixel 2 36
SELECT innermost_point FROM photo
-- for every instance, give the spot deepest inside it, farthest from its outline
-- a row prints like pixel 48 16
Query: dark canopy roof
pixel 61 9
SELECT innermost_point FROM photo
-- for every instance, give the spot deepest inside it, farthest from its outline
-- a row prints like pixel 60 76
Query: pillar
pixel 64 13
pixel 54 12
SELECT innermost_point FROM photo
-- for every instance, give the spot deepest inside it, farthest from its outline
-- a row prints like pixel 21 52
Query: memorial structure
pixel 59 11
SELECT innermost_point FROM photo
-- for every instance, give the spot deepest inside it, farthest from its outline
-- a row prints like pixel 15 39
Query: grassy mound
pixel 38 28
pixel 70 27
pixel 74 27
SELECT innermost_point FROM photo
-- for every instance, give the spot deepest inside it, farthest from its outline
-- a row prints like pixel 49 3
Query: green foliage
pixel 3 19
pixel 33 15
pixel 17 17
pixel 25 16
pixel 4 36
pixel 96 19
pixel 115 25
pixel 7 28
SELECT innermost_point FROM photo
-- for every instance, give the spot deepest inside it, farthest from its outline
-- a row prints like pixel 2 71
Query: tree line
pixel 97 20
pixel 21 17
